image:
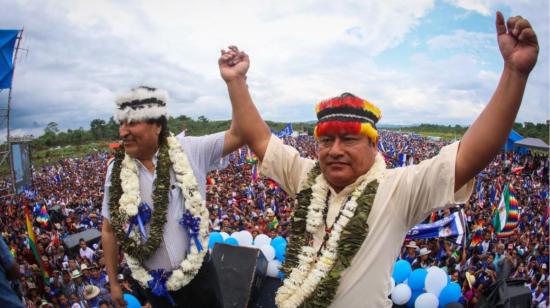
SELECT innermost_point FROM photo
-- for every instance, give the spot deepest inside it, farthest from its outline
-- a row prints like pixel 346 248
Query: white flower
pixel 130 200
pixel 305 277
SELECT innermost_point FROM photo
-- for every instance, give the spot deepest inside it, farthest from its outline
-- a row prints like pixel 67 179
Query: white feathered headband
pixel 140 104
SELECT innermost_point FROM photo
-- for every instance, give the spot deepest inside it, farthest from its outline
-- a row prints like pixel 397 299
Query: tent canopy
pixel 533 143
pixel 512 138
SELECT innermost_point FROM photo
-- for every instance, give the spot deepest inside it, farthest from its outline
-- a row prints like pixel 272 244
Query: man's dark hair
pixel 164 131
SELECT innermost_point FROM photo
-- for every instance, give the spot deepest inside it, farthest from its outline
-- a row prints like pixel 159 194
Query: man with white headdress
pixel 154 204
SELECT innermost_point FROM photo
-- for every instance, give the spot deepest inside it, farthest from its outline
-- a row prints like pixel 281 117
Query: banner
pixel 449 226
pixel 7 43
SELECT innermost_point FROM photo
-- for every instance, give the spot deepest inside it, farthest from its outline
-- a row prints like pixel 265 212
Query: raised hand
pixel 233 64
pixel 517 42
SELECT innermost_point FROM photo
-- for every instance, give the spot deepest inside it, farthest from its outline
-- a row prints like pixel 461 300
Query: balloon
pixel 401 271
pixel 426 300
pixel 414 296
pixel 245 238
pixel 224 235
pixel 436 280
pixel 401 294
pixel 268 251
pixel 450 294
pixel 215 237
pixel 231 241
pixel 280 252
pixel 273 267
pixel 277 241
pixel 261 240
pixel 417 279
pixel 131 300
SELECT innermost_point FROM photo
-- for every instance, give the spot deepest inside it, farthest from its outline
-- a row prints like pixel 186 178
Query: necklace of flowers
pixel 307 271
pixel 195 206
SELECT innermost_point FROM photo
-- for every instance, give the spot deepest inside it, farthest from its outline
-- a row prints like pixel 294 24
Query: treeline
pixel 526 129
pixel 107 131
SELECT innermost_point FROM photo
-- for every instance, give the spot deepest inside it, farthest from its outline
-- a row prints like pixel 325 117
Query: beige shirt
pixel 405 197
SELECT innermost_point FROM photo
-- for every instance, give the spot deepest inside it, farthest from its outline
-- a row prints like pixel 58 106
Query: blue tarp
pixel 512 138
pixel 7 42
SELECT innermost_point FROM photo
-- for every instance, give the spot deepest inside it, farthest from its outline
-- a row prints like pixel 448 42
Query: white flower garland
pixel 304 278
pixel 186 181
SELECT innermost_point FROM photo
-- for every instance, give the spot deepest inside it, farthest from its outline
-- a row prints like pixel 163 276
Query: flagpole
pixel 8 143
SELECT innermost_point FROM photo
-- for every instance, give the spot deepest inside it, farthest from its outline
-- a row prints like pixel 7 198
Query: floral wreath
pixel 126 209
pixel 313 277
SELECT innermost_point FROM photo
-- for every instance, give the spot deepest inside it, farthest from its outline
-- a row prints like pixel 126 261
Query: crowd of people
pixel 239 199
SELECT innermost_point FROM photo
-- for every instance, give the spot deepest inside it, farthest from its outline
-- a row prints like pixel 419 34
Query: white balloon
pixel 236 235
pixel 401 294
pixel 392 284
pixel 426 300
pixel 436 280
pixel 273 268
pixel 268 251
pixel 261 240
pixel 224 235
pixel 246 238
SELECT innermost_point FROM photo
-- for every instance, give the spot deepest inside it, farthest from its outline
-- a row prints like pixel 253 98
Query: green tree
pixel 98 128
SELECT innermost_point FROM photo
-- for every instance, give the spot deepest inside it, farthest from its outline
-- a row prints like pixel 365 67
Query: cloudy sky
pixel 420 61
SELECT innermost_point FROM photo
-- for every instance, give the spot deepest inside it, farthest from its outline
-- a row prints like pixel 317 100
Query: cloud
pixel 461 38
pixel 82 53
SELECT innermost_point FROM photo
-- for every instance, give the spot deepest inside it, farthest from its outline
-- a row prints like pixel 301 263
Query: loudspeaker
pixel 509 293
pixel 240 273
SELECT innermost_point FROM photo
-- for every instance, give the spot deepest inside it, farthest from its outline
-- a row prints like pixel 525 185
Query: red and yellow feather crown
pixel 347 114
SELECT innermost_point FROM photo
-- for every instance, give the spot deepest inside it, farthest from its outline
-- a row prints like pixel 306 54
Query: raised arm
pixel 247 125
pixel 519 48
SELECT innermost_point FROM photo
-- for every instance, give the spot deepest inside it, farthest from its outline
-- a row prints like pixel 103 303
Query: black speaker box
pixel 240 273
pixel 509 293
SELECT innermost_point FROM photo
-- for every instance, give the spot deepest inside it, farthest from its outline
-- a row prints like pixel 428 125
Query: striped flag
pixel 32 244
pixel 507 215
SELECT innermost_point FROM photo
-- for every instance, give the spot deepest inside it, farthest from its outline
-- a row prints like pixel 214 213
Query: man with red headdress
pixel 353 213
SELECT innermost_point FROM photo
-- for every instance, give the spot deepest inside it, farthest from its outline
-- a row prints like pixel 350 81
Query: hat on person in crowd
pixel 31 285
pixel 90 292
pixel 75 274
pixel 140 104
pixel 471 279
pixel 347 114
pixel 84 267
pixel 44 303
pixel 270 212
pixel 424 251
pixel 412 244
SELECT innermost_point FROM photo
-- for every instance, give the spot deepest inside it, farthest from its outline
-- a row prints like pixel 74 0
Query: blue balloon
pixel 278 240
pixel 417 279
pixel 414 296
pixel 215 237
pixel 450 294
pixel 231 241
pixel 280 252
pixel 401 271
pixel 132 301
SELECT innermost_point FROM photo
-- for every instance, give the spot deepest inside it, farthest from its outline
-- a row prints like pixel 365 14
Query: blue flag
pixel 7 43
